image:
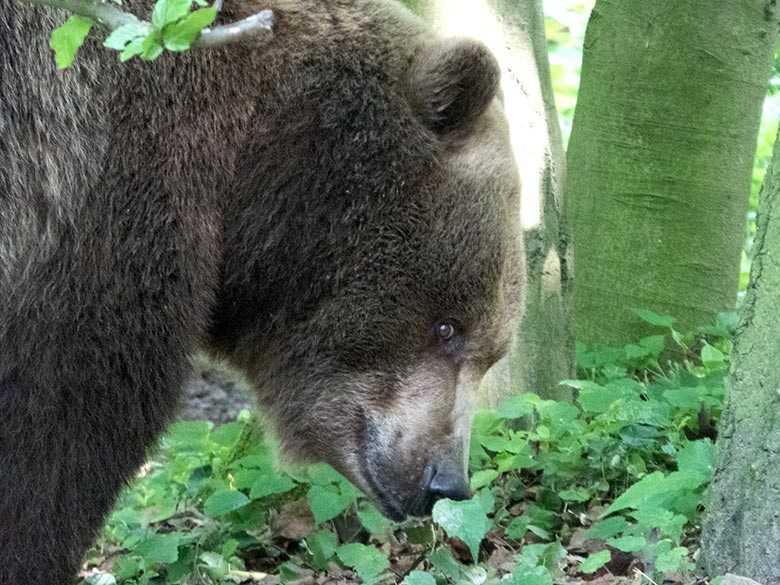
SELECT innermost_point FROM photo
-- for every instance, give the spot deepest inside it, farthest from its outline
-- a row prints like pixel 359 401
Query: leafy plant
pixel 623 468
pixel 174 26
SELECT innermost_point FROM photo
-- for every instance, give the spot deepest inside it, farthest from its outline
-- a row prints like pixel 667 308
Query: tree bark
pixel 514 31
pixel 741 529
pixel 660 159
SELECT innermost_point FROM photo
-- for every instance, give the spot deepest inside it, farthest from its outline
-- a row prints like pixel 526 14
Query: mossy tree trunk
pixel 514 31
pixel 741 531
pixel 660 159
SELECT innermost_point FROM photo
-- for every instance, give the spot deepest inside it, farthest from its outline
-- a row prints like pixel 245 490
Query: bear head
pixel 386 290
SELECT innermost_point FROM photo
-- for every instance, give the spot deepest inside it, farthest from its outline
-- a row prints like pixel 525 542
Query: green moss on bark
pixel 660 159
pixel 741 531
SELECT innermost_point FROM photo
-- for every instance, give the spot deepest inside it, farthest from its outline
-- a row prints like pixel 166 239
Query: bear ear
pixel 452 82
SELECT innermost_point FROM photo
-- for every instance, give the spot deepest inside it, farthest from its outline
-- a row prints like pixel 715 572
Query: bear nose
pixel 449 482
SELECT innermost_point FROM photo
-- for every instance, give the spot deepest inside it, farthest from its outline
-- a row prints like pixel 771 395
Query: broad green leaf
pixel 465 520
pixel 711 356
pixel 322 545
pixel 683 397
pixel 224 501
pixel 515 407
pixel 517 528
pixel 443 561
pixel 583 385
pixel 372 519
pixel 271 483
pixel 214 564
pixel 326 502
pixel 628 543
pixel 100 579
pixel 482 478
pixel 188 433
pixel 168 11
pixel 118 40
pixel 525 575
pixel 547 555
pixel 418 578
pixel 134 48
pixel 368 561
pixel 594 562
pixel 159 548
pixel 228 434
pixel 654 343
pixel 321 474
pixel 668 559
pixel 179 37
pixel 579 494
pixel 67 39
pixel 151 48
pixel 654 318
pixel 598 400
pixel 656 490
pixel 697 456
pixel 607 528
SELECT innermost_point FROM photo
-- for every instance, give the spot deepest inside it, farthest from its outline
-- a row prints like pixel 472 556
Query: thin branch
pixel 258 26
pixel 108 15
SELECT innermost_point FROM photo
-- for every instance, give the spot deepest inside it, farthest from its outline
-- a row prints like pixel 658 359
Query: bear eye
pixel 445 330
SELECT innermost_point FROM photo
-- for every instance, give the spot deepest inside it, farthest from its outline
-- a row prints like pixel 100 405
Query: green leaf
pixel 712 356
pixel 118 40
pixel 482 478
pixel 579 494
pixel 214 564
pixel 159 548
pixel 372 519
pixel 228 434
pixel 224 501
pixel 654 318
pixel 418 578
pixel 668 559
pixel 598 400
pixel 134 48
pixel 322 545
pixel 443 561
pixel 465 520
pixel 100 579
pixel 270 483
pixel 67 39
pixel 628 543
pixel 697 456
pixel 683 397
pixel 525 575
pixel 151 48
pixel 656 490
pixel 368 561
pixel 186 433
pixel 607 528
pixel 179 37
pixel 167 11
pixel 326 503
pixel 594 562
pixel 322 474
pixel 517 528
pixel 515 407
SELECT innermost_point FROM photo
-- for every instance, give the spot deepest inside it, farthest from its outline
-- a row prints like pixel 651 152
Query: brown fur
pixel 295 207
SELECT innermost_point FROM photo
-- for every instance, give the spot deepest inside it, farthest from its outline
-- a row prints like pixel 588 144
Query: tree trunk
pixel 514 31
pixel 741 531
pixel 660 159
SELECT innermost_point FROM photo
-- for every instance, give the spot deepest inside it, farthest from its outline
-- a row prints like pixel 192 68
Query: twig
pixel 108 15
pixel 258 26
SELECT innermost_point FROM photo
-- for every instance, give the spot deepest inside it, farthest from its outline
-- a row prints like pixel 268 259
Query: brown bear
pixel 333 211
